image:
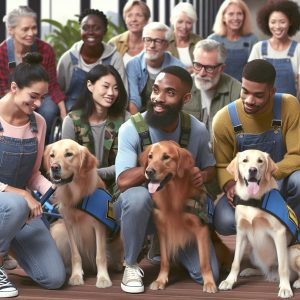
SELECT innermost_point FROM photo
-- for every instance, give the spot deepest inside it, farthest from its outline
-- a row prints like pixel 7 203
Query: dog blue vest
pixel 99 205
pixel 274 204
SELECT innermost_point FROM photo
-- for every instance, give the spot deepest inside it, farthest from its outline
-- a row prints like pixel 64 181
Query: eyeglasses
pixel 208 68
pixel 148 41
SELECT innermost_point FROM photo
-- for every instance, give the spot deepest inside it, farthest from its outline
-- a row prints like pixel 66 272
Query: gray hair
pixel 183 8
pixel 211 45
pixel 12 18
pixel 159 27
pixel 131 3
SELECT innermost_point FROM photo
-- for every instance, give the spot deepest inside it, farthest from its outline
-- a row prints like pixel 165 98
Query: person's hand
pixel 198 177
pixel 35 206
pixel 229 189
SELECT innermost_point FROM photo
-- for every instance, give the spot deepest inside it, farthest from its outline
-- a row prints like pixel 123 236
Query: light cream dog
pixel 80 238
pixel 269 238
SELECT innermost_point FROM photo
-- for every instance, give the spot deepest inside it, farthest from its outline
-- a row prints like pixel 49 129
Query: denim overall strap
pixel 270 141
pixel 107 60
pixel 76 83
pixel 285 78
pixel 11 52
pixel 17 157
pixel 235 62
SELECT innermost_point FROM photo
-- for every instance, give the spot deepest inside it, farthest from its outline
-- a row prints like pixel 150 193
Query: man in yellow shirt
pixel 263 120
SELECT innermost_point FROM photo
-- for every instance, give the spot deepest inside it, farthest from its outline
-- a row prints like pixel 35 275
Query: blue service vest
pixel 273 203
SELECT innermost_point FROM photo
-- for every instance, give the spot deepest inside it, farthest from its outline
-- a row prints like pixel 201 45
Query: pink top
pixel 37 181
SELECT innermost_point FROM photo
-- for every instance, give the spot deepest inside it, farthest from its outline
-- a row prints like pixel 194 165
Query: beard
pixel 206 83
pixel 164 119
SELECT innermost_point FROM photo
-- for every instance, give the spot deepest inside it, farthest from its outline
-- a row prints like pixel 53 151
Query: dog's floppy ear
pixel 46 160
pixel 88 160
pixel 233 168
pixel 271 167
pixel 185 161
pixel 143 158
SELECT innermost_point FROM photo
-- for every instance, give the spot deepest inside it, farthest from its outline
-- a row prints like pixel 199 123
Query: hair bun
pixel 33 58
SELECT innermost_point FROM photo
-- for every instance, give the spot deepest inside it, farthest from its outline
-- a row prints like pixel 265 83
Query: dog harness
pixel 273 203
pixel 99 206
pixel 144 134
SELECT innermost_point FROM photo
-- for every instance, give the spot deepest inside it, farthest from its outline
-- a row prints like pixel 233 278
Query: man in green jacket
pixel 212 89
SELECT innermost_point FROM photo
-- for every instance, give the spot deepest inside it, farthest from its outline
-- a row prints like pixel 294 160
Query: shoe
pixel 153 254
pixel 9 263
pixel 7 289
pixel 132 280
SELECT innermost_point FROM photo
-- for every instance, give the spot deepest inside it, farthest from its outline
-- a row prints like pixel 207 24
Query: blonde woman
pixel 232 27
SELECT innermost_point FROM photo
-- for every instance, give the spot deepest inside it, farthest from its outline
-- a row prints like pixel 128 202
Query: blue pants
pixel 49 110
pixel 35 250
pixel 133 209
pixel 224 219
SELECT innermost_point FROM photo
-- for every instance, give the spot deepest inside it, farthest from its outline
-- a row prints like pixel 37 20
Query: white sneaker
pixel 9 263
pixel 132 280
pixel 7 289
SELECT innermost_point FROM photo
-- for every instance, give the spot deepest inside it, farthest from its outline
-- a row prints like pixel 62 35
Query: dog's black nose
pixel 252 171
pixel 55 168
pixel 150 173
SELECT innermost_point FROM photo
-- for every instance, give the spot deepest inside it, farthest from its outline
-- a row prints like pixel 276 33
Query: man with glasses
pixel 143 69
pixel 212 89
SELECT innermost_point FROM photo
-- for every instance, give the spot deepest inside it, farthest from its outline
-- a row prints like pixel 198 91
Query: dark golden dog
pixel 168 167
pixel 80 238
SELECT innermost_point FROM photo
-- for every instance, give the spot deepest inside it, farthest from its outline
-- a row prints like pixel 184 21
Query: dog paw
pixel 103 282
pixel 250 272
pixel 285 293
pixel 157 285
pixel 76 280
pixel 210 287
pixel 296 284
pixel 225 285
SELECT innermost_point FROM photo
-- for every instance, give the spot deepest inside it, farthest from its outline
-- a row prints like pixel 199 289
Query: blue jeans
pixel 35 250
pixel 133 209
pixel 49 110
pixel 224 219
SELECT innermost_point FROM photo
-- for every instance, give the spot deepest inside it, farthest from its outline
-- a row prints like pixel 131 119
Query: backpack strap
pixel 142 129
pixel 83 131
pixel 185 129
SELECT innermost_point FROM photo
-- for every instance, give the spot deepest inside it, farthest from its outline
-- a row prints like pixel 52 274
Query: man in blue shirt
pixel 143 69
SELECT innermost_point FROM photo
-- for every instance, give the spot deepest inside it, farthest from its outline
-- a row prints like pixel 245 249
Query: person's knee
pixel 54 280
pixel 17 207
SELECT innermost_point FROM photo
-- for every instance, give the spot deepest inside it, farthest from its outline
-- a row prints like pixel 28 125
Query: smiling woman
pixel 21 149
pixel 87 53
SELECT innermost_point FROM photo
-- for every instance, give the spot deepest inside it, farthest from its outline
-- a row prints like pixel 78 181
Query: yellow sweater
pixel 224 140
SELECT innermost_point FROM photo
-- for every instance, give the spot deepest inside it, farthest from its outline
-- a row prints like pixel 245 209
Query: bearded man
pixel 163 120
pixel 212 89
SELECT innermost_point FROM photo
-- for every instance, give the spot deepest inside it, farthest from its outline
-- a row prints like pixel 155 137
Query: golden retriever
pixel 168 167
pixel 80 238
pixel 269 238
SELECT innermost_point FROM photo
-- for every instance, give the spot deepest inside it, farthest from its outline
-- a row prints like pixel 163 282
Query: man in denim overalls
pixel 261 119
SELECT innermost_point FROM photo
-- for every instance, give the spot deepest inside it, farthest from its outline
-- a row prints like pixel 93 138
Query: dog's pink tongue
pixel 253 188
pixel 152 187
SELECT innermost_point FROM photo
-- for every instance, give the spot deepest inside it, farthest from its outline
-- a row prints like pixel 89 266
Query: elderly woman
pixel 22 27
pixel 136 15
pixel 280 20
pixel 183 40
pixel 232 27
pixel 75 63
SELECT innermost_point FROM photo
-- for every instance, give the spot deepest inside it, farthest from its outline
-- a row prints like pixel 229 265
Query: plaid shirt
pixel 48 63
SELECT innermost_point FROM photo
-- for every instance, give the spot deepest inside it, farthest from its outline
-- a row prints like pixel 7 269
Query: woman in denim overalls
pixel 280 20
pixel 232 28
pixel 22 134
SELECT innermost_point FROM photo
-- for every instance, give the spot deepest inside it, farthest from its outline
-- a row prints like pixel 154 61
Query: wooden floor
pixel 180 287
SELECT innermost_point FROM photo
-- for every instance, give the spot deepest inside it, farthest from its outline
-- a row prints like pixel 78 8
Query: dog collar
pixel 251 202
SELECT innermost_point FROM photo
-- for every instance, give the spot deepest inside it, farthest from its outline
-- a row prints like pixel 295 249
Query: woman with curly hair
pixel 280 19
pixel 232 27
pixel 84 55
